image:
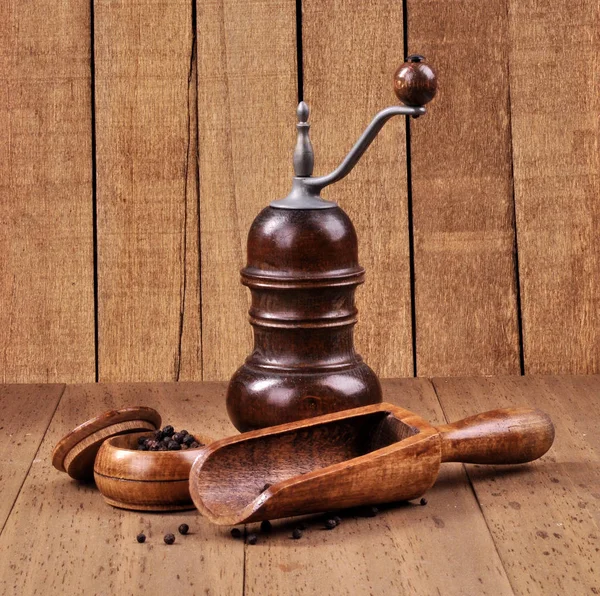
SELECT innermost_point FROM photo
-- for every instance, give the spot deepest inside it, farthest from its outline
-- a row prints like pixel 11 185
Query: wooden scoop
pixel 374 454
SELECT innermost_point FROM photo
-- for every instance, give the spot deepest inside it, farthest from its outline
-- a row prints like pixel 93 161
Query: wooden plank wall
pixel 46 193
pixel 141 138
pixel 350 51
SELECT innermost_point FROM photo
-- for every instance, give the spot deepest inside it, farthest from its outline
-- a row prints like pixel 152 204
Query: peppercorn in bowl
pixel 141 471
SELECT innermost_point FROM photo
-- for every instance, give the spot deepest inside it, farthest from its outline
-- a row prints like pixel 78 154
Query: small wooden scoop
pixel 374 454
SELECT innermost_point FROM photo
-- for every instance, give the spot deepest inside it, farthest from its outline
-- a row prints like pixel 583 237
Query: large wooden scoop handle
pixel 506 436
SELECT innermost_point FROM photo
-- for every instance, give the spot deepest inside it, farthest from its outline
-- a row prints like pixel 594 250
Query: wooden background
pixel 140 138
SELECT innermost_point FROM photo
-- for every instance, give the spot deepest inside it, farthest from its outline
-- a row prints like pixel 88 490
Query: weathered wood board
pixel 147 196
pixel 351 51
pixel 46 218
pixel 465 276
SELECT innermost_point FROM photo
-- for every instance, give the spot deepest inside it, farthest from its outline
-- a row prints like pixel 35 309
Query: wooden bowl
pixel 145 480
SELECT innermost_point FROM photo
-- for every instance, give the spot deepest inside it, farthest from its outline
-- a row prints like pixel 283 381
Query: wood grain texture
pixel 465 296
pixel 246 104
pixel 82 545
pixel 543 516
pixel 46 236
pixel 18 445
pixel 351 50
pixel 147 198
pixel 556 46
pixel 405 550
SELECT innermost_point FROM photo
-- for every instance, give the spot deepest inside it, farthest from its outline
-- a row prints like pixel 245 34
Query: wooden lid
pixel 75 453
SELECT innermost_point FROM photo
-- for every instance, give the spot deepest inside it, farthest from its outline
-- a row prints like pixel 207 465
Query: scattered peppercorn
pixel 141 537
pixel 369 511
pixel 168 431
pixel 330 524
pixel 169 538
pixel 297 534
pixel 252 539
pixel 236 533
pixel 183 529
pixel 301 526
pixel 266 486
pixel 266 526
pixel 337 519
pixel 423 501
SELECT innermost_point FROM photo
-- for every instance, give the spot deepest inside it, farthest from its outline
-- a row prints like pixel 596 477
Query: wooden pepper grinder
pixel 302 272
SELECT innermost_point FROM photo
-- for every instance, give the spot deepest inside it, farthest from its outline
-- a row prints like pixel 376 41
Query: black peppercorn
pixel 169 538
pixel 183 529
pixel 236 532
pixel 423 501
pixel 141 440
pixel 369 511
pixel 337 519
pixel 158 435
pixel 188 439
pixel 173 446
pixel 178 437
pixel 266 526
pixel 168 431
pixel 194 445
pixel 330 524
pixel 184 432
pixel 297 533
pixel 266 486
pixel 252 539
pixel 143 447
pixel 141 537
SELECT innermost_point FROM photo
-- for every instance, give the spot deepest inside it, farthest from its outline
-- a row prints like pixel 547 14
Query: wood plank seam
pixel 411 243
pixel 517 271
pixel 472 487
pixel 192 80
pixel 299 52
pixel 409 202
pixel 94 188
pixel 197 174
pixel 50 419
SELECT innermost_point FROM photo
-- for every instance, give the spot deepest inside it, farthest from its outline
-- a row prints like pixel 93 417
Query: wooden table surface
pixel 530 529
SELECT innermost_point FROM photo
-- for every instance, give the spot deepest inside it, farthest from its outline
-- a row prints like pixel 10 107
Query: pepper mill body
pixel 302 272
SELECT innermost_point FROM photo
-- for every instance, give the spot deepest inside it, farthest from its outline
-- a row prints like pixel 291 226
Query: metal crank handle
pixel 415 84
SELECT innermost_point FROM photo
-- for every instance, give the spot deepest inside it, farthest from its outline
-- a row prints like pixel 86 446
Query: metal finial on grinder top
pixel 304 158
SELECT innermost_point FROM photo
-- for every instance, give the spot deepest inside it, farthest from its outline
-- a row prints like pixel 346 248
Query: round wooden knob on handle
pixel 504 436
pixel 415 83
